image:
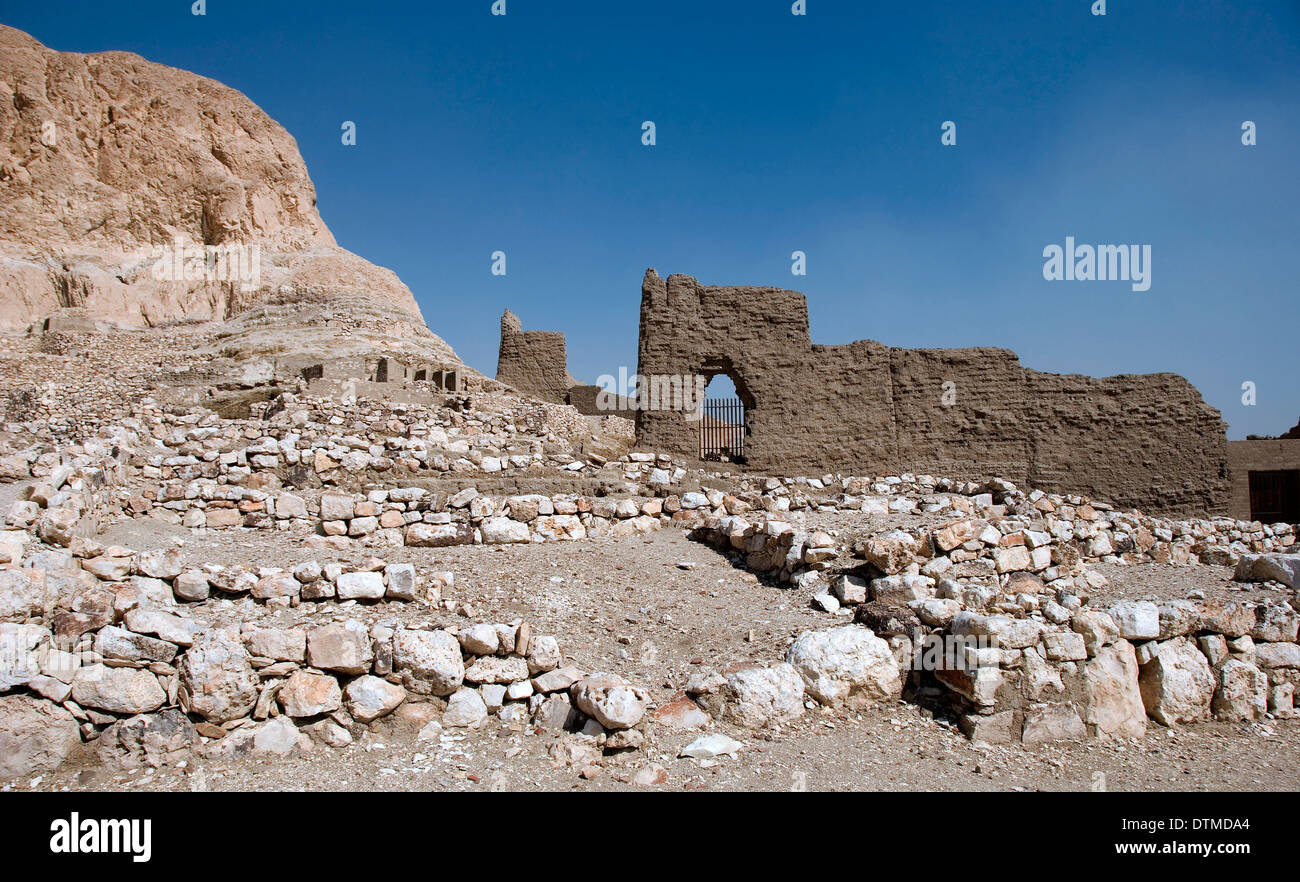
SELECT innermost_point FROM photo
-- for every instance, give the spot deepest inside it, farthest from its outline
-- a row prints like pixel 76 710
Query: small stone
pixel 710 746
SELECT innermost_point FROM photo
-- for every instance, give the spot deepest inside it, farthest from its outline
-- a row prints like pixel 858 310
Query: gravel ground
pixel 627 606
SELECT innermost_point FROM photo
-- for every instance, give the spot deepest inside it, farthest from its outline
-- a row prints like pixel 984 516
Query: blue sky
pixel 777 133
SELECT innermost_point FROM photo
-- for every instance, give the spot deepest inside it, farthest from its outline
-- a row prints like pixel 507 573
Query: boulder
pixel 502 531
pixel 306 694
pixel 159 564
pixel 1112 699
pixel 1046 722
pixel 360 586
pixel 1177 684
pixel 1136 619
pixel 117 690
pixel 119 643
pixel 1242 694
pixel 429 661
pixel 35 736
pixel 148 740
pixel 1277 655
pixel 610 700
pixel 757 697
pixel 681 713
pixel 1178 618
pixel 543 654
pixel 337 507
pixel 218 677
pixel 344 647
pixel 400 581
pixel 497 669
pixel 423 535
pixel 892 551
pixel 1098 629
pixel 280 737
pixel 465 709
pixel 24 594
pixel 887 619
pixel 846 664
pixel 20 656
pixel 1278 567
pixel 368 698
pixel 277 645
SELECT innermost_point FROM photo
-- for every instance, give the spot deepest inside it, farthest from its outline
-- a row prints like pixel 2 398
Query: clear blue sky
pixel 775 133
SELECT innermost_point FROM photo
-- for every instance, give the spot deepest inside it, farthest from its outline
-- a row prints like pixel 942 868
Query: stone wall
pixel 1141 441
pixel 534 362
pixel 588 402
pixel 1245 457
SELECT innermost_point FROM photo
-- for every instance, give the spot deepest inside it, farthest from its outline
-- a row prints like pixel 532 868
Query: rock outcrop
pixel 138 195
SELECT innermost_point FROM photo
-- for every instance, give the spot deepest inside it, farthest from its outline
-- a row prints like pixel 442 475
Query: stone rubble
pixel 117 649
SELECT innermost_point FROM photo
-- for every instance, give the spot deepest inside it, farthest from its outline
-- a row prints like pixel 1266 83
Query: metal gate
pixel 722 430
pixel 1275 496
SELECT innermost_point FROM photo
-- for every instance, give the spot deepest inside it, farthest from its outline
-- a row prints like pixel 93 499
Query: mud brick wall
pixel 534 362
pixel 1147 442
pixel 1245 457
pixel 585 398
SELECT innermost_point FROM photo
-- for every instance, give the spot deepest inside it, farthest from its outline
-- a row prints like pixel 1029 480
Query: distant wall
pixel 587 400
pixel 534 362
pixel 1143 441
pixel 1245 457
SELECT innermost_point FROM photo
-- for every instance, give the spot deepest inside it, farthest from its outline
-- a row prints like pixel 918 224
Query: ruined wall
pixel 587 400
pixel 1245 457
pixel 1141 441
pixel 534 362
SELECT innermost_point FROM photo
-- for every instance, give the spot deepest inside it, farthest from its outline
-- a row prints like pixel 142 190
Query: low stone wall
pixel 410 515
pixel 1002 635
pixel 112 652
pixel 995 519
pixel 70 490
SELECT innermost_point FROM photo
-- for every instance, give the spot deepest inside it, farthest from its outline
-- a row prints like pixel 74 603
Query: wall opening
pixel 724 419
pixel 1275 496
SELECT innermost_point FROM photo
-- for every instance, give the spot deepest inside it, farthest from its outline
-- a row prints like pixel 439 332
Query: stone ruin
pixel 391 370
pixel 533 362
pixel 536 363
pixel 1146 441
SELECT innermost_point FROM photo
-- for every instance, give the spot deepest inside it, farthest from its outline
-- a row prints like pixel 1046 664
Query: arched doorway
pixel 724 414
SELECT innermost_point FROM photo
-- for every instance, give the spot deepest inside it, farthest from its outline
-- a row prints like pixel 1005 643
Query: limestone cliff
pixel 137 195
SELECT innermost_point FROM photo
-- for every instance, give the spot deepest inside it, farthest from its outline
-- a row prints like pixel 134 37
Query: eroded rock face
pixel 107 159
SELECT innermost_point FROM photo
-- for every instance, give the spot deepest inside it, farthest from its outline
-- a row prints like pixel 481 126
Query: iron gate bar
pixel 722 429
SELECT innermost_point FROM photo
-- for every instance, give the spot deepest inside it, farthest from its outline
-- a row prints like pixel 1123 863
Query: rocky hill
pixel 138 195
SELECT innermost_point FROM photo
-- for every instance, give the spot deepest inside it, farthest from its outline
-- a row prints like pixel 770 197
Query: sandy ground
pixel 626 606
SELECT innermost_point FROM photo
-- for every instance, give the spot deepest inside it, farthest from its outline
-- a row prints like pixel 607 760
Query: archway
pixel 724 413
